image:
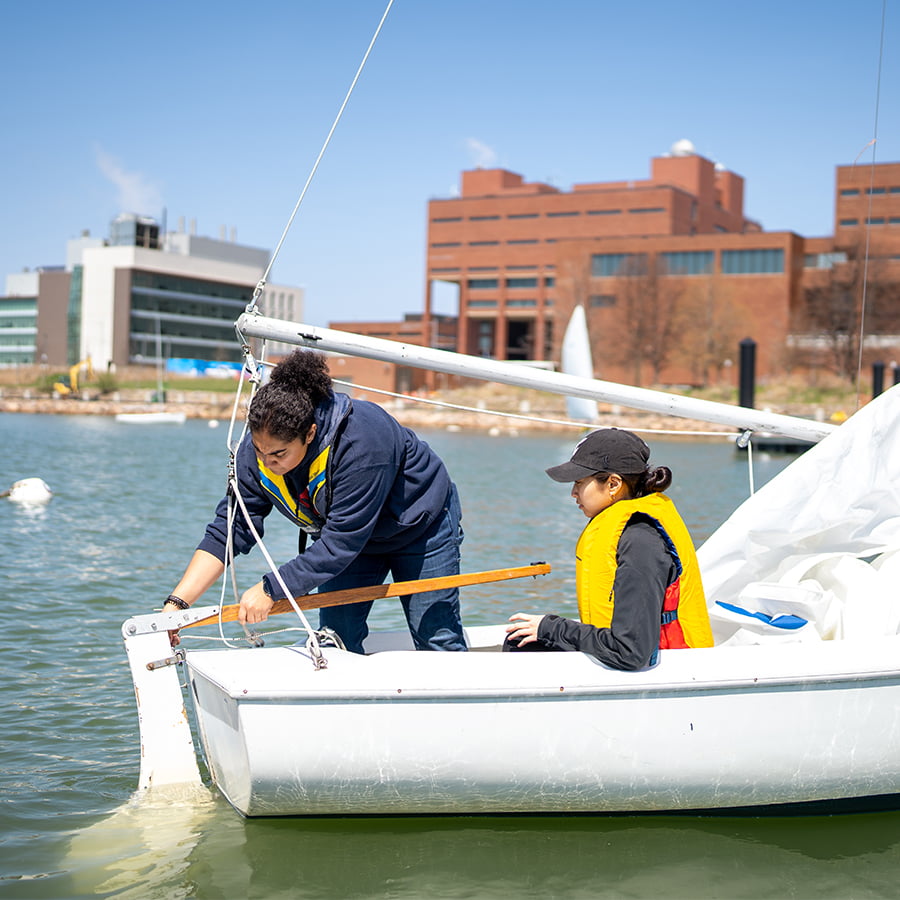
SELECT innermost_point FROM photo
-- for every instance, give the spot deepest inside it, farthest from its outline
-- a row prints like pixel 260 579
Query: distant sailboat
pixel 576 360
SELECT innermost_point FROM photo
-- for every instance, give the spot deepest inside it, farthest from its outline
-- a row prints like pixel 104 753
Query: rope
pixel 750 466
pixel 262 282
pixel 254 636
pixel 254 370
pixel 318 659
pixel 527 418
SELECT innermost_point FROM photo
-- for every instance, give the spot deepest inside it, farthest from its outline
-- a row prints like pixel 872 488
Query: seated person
pixel 637 576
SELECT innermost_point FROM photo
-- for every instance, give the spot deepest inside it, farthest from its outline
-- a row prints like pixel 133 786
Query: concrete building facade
pixel 142 297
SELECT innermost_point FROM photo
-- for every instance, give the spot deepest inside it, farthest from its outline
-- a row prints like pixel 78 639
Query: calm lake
pixel 130 505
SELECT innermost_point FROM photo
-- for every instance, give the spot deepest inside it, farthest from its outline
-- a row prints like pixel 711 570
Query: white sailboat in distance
pixel 576 360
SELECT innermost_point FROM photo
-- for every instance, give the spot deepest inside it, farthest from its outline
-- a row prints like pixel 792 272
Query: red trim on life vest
pixel 671 637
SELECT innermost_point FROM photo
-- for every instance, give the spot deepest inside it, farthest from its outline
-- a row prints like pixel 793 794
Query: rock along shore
pixel 531 411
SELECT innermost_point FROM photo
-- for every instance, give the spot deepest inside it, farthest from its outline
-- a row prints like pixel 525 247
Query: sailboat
pixel 577 360
pixel 797 706
pixel 805 717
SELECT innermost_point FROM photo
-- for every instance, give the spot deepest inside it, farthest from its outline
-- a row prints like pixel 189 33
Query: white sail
pixel 576 360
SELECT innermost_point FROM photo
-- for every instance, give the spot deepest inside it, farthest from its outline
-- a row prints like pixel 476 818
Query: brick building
pixel 671 272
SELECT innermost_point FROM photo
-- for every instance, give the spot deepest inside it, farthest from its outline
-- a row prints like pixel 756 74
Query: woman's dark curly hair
pixel 283 406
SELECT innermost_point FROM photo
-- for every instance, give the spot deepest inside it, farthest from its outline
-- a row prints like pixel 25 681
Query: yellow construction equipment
pixel 67 386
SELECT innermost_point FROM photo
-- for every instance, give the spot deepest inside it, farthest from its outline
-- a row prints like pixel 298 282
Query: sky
pixel 216 112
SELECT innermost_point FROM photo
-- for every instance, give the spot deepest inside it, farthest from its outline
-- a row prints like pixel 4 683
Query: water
pixel 129 507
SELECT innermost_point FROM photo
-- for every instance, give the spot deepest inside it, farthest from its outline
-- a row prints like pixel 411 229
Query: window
pixel 875 220
pixel 607 265
pixel 448 219
pixel 848 223
pixel 522 216
pixel 521 282
pixel 600 300
pixel 521 303
pixel 894 220
pixel 523 241
pixel 482 303
pixel 558 215
pixel 447 244
pixel 482 218
pixel 823 260
pixel 753 262
pixel 698 262
pixel 850 192
pixel 604 212
pixel 483 243
pixel 482 268
pixel 550 282
pixel 647 209
pixel 480 284
pixel 875 190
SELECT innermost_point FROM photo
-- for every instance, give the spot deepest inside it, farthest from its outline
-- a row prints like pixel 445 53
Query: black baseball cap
pixel 605 450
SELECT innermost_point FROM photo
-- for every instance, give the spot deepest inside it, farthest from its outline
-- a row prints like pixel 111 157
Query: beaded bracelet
pixel 177 601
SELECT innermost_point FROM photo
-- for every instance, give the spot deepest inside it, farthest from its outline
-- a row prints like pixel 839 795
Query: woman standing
pixel 637 576
pixel 373 497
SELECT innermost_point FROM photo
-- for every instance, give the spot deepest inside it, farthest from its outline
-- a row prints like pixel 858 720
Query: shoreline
pixel 208 405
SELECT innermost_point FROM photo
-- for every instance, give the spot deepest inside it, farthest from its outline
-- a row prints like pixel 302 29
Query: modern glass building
pixel 18 330
pixel 141 297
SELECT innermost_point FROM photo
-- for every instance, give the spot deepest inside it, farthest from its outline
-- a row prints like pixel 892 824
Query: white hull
pixel 404 732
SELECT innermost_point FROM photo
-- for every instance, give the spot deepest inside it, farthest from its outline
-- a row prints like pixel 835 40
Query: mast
pixel 522 375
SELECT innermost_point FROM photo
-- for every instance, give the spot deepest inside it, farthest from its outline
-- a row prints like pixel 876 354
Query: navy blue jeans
pixel 433 617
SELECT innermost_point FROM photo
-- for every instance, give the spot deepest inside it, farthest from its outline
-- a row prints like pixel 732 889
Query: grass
pixel 791 394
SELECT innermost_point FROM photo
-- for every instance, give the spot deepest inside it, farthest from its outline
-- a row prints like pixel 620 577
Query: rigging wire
pixel 254 370
pixel 510 415
pixel 868 232
pixel 313 643
pixel 262 282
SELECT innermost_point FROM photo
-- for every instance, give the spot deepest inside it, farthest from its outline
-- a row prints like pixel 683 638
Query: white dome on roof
pixel 684 147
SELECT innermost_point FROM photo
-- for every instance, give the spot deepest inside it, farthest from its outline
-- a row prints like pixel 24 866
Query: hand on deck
pixel 524 629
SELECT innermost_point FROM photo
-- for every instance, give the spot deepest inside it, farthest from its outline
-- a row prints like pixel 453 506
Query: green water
pixel 130 504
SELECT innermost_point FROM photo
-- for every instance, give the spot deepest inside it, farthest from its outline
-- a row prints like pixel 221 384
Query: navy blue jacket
pixel 384 488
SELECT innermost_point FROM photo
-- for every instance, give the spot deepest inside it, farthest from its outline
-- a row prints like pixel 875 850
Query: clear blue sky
pixel 216 111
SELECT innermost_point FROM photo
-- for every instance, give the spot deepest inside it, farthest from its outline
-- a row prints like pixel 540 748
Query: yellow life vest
pixel 685 612
pixel 302 510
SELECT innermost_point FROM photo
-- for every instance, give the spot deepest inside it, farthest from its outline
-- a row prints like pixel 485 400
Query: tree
pixel 653 321
pixel 853 300
pixel 716 326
